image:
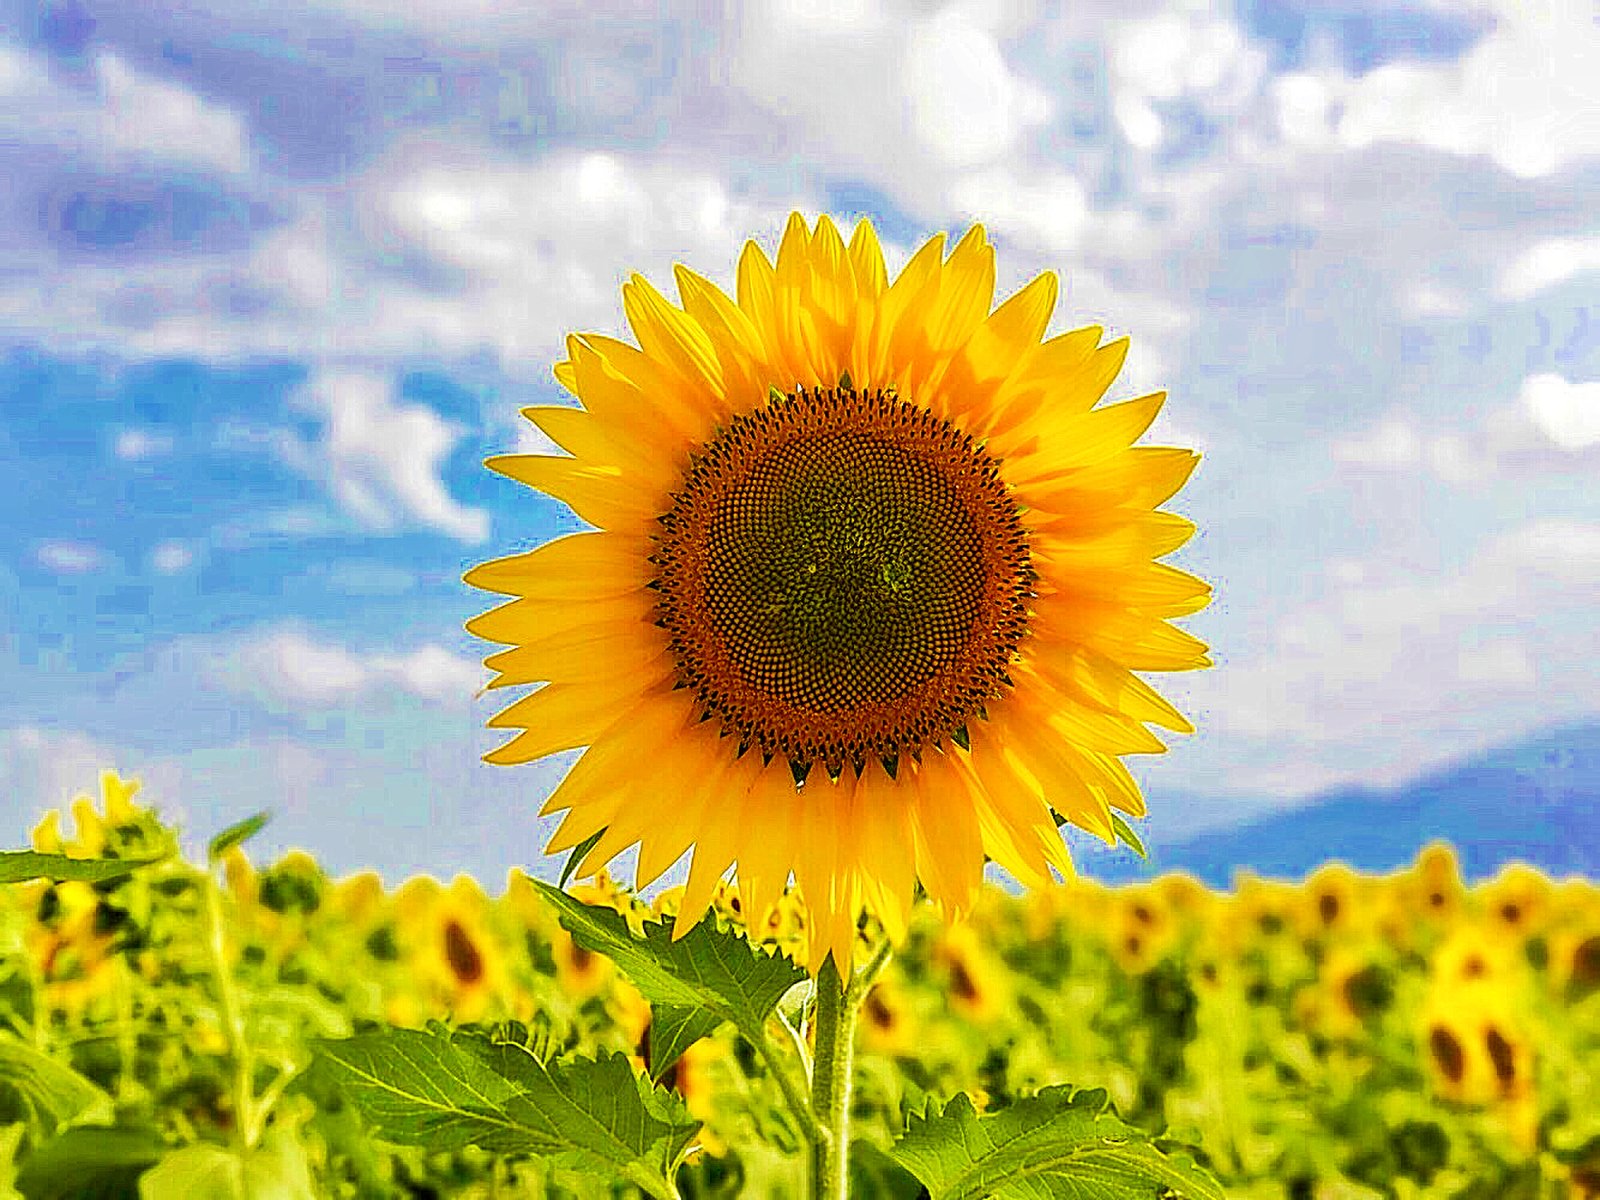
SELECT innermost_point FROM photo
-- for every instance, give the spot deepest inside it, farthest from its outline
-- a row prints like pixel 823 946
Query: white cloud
pixel 1393 443
pixel 171 558
pixel 383 457
pixel 135 445
pixel 1547 263
pixel 1393 671
pixel 69 557
pixel 1196 56
pixel 1520 95
pixel 124 116
pixel 1502 661
pixel 289 668
pixel 1552 426
pixel 1566 413
pixel 967 108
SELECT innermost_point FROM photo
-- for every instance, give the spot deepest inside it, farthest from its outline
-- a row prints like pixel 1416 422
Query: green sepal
pixel 577 855
pixel 1128 837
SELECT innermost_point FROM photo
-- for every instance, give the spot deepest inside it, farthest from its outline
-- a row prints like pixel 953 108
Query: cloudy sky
pixel 272 289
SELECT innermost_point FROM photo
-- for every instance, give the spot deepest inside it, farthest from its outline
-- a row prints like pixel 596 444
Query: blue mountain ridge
pixel 1537 802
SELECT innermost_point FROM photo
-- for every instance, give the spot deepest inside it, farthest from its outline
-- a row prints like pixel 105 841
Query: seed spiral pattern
pixel 842 576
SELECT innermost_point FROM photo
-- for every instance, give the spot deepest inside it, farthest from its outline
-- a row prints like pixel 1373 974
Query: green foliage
pixel 693 984
pixel 275 1170
pixel 47 1092
pixel 1060 1144
pixel 90 1164
pixel 19 866
pixel 442 1093
pixel 235 835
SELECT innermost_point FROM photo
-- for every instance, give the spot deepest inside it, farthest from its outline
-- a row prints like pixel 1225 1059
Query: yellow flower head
pixel 1475 1049
pixel 90 824
pixel 976 985
pixel 1331 902
pixel 1516 901
pixel 871 574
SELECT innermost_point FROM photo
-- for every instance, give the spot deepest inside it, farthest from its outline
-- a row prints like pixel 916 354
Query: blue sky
pixel 273 289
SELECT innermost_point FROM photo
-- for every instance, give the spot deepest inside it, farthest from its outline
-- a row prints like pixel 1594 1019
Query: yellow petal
pixel 604 496
pixel 580 566
pixel 561 716
pixel 1070 442
pixel 667 334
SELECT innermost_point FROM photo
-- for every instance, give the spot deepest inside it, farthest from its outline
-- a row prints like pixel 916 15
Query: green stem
pixel 792 1095
pixel 244 1117
pixel 830 1085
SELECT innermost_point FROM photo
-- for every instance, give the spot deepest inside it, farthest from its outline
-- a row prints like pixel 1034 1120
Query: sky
pixel 273 287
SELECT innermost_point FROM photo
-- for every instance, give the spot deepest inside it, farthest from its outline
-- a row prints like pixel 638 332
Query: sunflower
pixel 92 827
pixel 1331 902
pixel 888 1021
pixel 1142 930
pixel 449 946
pixel 1516 901
pixel 870 577
pixel 976 985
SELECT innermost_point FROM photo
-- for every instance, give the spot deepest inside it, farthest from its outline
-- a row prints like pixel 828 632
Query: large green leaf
pixel 693 985
pixel 1060 1144
pixel 430 1090
pixel 274 1170
pixel 50 1093
pixel 19 866
pixel 90 1164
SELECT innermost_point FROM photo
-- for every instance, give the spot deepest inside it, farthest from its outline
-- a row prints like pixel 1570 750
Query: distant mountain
pixel 1538 802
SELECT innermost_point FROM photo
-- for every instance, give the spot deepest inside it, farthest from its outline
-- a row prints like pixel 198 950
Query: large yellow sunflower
pixel 870 578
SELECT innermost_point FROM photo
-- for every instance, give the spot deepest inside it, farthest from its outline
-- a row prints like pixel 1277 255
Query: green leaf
pixel 693 985
pixel 10 1142
pixel 577 854
pixel 51 1093
pixel 1060 1144
pixel 275 1170
pixel 87 1163
pixel 19 866
pixel 235 834
pixel 443 1093
pixel 1125 833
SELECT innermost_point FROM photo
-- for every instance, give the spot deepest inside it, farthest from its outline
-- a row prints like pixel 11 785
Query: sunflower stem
pixel 830 1084
pixel 233 1031
pixel 793 1096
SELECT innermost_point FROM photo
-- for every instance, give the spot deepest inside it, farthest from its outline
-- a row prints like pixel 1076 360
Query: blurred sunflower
pixel 1142 930
pixel 977 986
pixel 888 1022
pixel 1330 902
pixel 95 830
pixel 706 1068
pixel 1470 957
pixel 1516 901
pixel 1575 963
pixel 1433 887
pixel 1476 1049
pixel 445 935
pixel 1353 988
pixel 71 944
pixel 873 532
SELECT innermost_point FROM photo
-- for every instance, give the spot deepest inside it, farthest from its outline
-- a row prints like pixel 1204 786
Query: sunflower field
pixel 168 1030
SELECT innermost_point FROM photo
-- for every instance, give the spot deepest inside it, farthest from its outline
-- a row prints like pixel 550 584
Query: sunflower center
pixel 843 575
